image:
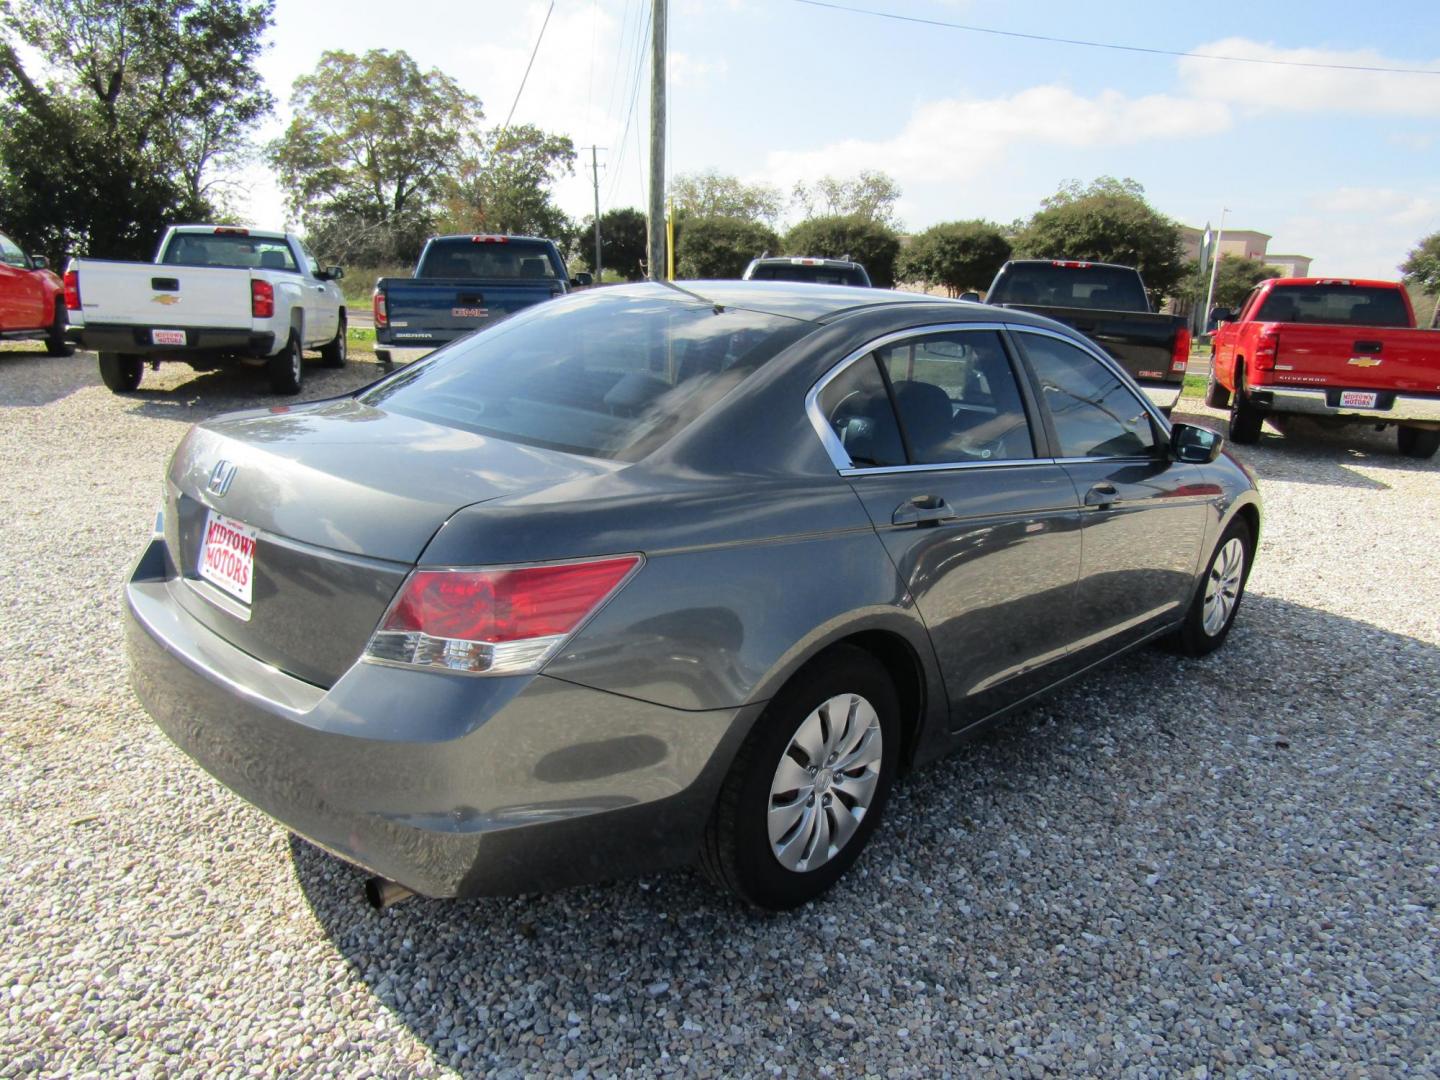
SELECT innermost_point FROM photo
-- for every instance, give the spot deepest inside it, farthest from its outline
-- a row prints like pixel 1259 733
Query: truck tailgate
pixel 146 294
pixel 1141 341
pixel 442 309
pixel 1382 358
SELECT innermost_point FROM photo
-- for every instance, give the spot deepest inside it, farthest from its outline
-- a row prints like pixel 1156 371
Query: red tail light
pixel 262 299
pixel 1265 347
pixel 1180 360
pixel 495 622
pixel 72 290
pixel 377 305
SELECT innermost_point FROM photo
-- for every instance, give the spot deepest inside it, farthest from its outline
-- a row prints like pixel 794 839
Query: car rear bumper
pixel 452 785
pixel 1390 407
pixel 136 340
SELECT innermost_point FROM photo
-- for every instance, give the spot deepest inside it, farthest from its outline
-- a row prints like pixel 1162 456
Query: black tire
pixel 121 373
pixel 1245 418
pixel 384 359
pixel 1418 442
pixel 1193 638
pixel 287 367
pixel 55 343
pixel 737 852
pixel 333 353
pixel 1216 396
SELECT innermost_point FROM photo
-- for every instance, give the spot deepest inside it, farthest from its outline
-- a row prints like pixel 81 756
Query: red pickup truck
pixel 1342 350
pixel 32 299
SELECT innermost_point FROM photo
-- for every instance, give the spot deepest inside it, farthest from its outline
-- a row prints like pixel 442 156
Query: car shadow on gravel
pixel 199 395
pixel 1160 808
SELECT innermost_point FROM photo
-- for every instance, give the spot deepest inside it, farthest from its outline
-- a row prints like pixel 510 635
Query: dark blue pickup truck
pixel 462 283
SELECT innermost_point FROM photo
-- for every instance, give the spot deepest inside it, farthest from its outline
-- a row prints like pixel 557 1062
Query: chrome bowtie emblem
pixel 220 478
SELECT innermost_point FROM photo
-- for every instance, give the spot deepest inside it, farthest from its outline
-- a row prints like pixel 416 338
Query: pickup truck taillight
pixel 1180 359
pixel 72 290
pixel 262 299
pixel 1265 346
pixel 377 305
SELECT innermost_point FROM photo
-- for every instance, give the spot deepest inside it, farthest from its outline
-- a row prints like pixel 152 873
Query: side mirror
pixel 39 262
pixel 970 297
pixel 582 280
pixel 334 273
pixel 1194 445
pixel 1222 315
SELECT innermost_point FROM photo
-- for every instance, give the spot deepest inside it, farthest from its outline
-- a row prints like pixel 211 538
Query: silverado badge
pixel 165 298
pixel 1364 361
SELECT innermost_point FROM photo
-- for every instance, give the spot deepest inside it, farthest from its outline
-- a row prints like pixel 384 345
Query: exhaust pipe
pixel 382 893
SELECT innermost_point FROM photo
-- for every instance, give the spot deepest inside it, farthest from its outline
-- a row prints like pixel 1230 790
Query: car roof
pixel 802 260
pixel 471 235
pixel 1052 262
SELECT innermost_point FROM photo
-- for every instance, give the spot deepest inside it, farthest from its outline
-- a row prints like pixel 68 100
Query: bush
pixel 720 247
pixel 959 255
pixel 869 243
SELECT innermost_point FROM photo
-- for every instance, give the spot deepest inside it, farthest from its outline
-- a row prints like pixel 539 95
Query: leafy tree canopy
pixel 1108 221
pixel 506 187
pixel 869 196
pixel 720 247
pixel 712 194
pixel 1234 278
pixel 867 241
pixel 1422 266
pixel 958 255
pixel 622 242
pixel 124 124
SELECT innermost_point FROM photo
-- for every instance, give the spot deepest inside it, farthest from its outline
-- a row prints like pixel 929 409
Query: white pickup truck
pixel 214 293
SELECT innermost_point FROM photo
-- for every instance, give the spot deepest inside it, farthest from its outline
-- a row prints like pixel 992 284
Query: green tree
pixel 869 196
pixel 125 118
pixel 868 242
pixel 507 186
pixel 1108 221
pixel 1422 268
pixel 622 242
pixel 720 247
pixel 1234 278
pixel 371 151
pixel 712 194
pixel 959 255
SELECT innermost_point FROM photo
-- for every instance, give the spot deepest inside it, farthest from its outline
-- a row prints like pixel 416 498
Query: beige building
pixel 1245 244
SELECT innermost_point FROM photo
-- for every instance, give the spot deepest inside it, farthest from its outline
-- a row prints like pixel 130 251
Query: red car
pixel 1339 350
pixel 32 299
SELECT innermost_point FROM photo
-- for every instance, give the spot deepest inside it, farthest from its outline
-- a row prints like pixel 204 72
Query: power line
pixel 1110 45
pixel 630 114
pixel 524 78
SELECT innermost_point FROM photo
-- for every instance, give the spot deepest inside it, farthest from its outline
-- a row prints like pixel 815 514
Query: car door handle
pixel 923 510
pixel 1101 495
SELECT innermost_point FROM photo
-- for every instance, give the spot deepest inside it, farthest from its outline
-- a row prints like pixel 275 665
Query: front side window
pixel 11 255
pixel 958 398
pixel 1094 413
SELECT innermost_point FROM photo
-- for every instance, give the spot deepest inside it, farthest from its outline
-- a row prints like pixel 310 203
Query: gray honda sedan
pixel 652 575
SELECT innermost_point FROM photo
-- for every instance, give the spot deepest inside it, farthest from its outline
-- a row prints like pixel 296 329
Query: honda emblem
pixel 220 478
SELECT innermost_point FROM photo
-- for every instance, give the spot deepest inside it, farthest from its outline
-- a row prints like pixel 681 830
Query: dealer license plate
pixel 227 555
pixel 167 337
pixel 1358 399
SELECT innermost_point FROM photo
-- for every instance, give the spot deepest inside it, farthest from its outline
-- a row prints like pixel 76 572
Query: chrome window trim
pixel 1112 365
pixel 1002 463
pixel 836 450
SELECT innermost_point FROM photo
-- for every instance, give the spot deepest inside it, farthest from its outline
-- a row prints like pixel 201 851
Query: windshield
pixel 464 257
pixel 815 275
pixel 1359 305
pixel 228 250
pixel 611 374
pixel 1103 288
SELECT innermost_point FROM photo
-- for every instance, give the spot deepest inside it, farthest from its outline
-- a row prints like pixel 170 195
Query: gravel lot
pixel 1217 867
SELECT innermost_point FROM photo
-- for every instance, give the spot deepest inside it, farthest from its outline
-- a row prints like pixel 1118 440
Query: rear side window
pixel 857 407
pixel 604 373
pixel 1358 305
pixel 958 398
pixel 1094 413
pixel 1103 288
pixel 463 257
pixel 229 250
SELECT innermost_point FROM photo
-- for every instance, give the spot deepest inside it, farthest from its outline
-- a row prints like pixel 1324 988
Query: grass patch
pixel 1194 385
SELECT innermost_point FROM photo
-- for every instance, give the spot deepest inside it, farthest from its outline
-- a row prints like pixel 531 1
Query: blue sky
pixel 1342 166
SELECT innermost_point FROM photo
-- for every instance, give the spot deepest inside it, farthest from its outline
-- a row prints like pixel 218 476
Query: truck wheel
pixel 333 353
pixel 1217 598
pixel 384 359
pixel 287 367
pixel 1245 418
pixel 121 373
pixel 1216 396
pixel 55 343
pixel 1419 442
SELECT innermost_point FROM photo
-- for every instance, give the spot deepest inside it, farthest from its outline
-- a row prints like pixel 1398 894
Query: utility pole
pixel 595 172
pixel 655 256
pixel 1214 266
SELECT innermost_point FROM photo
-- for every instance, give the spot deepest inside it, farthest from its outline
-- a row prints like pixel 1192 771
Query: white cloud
pixel 1412 140
pixel 1371 228
pixel 1310 89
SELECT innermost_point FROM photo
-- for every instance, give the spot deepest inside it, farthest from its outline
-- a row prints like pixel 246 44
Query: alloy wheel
pixel 1222 587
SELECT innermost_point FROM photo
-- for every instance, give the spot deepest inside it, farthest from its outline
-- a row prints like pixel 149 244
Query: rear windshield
pixel 1361 305
pixel 815 275
pixel 228 249
pixel 1104 288
pixel 466 258
pixel 605 374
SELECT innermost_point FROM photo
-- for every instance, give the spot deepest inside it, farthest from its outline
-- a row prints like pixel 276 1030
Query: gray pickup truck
pixel 1109 305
